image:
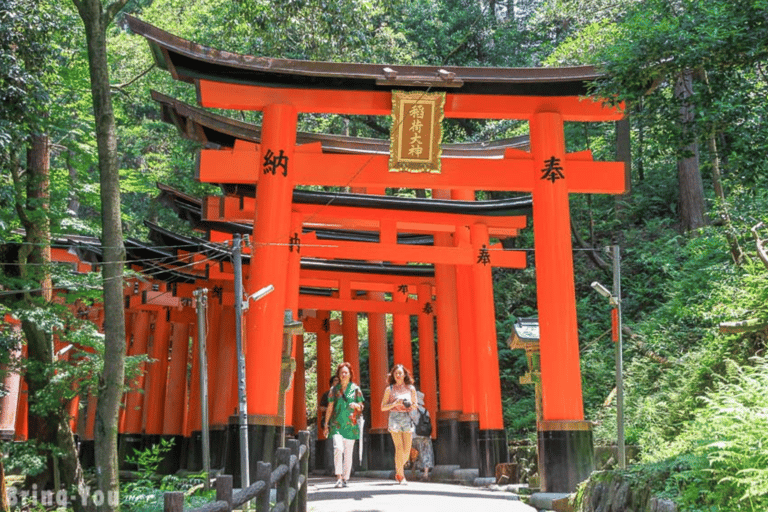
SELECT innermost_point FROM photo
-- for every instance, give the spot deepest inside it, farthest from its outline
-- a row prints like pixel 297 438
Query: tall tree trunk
pixel 624 154
pixel 737 253
pixel 96 18
pixel 51 427
pixel 688 172
pixel 73 203
pixel 34 263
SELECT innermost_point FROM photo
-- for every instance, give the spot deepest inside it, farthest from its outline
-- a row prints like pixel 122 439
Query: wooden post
pixel 224 490
pixel 283 485
pixel 304 465
pixel 294 471
pixel 263 474
pixel 173 502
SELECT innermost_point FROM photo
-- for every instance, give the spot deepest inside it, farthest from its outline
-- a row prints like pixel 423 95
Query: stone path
pixel 374 495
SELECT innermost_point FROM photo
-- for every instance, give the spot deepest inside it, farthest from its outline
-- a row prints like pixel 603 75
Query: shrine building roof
pixel 189 61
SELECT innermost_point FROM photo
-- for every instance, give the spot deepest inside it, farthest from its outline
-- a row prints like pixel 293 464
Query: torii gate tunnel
pixel 467 405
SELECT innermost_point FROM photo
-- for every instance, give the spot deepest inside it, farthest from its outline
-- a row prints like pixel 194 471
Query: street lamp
pixel 615 300
pixel 602 290
pixel 240 307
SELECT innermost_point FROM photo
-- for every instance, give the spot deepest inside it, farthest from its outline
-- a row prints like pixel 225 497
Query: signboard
pixel 417 131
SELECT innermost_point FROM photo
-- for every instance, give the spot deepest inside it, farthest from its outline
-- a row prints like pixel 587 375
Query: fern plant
pixel 727 435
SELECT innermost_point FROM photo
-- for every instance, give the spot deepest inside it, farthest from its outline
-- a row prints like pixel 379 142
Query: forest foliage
pixel 695 397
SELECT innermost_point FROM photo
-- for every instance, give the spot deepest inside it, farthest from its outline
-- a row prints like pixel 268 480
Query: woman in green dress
pixel 345 405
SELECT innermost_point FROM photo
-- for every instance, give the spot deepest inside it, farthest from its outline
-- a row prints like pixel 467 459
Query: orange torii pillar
pixel 381 452
pixel 22 413
pixel 427 357
pixel 269 265
pixel 351 342
pixel 324 373
pixel 192 418
pixel 469 421
pixel 492 436
pixel 401 334
pixel 174 409
pixel 156 380
pixel 9 402
pixel 564 438
pixel 295 398
pixel 295 414
pixel 216 389
pixel 299 388
pixel 225 408
pixel 448 356
pixel 87 419
pixel 130 424
pixel 351 348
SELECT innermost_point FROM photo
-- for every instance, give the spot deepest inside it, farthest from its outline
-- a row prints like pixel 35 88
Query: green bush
pixel 145 494
pixel 726 439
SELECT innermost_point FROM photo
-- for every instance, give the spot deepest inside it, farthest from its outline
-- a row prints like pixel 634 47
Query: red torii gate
pixel 283 89
pixel 467 447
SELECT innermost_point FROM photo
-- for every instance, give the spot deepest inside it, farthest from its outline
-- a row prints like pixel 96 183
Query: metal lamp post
pixel 615 300
pixel 237 261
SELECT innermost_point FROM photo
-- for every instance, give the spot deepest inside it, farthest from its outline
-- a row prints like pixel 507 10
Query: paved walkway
pixel 371 495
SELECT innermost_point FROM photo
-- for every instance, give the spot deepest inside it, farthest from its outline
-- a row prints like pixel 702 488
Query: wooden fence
pixel 289 479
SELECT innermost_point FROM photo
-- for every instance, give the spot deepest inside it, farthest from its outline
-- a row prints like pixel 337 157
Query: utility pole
pixel 614 298
pixel 237 263
pixel 619 357
pixel 201 305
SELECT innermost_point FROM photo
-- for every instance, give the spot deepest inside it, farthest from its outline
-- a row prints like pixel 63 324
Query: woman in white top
pixel 399 399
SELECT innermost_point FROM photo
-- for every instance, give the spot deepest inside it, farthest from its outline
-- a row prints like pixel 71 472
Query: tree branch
pixel 762 247
pixel 120 87
pixel 111 11
pixel 18 186
pixel 591 252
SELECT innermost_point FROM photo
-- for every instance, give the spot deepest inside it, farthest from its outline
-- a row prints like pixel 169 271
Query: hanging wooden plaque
pixel 417 131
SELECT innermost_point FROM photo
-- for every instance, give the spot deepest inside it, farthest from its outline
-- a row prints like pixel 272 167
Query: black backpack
pixel 424 425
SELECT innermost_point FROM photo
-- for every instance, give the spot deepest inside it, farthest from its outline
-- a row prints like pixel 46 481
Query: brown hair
pixel 351 371
pixel 391 377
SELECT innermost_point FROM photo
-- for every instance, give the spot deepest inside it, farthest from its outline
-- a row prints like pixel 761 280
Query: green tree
pixel 96 18
pixel 677 60
pixel 28 56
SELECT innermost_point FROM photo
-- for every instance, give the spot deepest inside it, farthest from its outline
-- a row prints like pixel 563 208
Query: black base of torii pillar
pixel 469 443
pixel 566 454
pixel 381 450
pixel 447 442
pixel 493 449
